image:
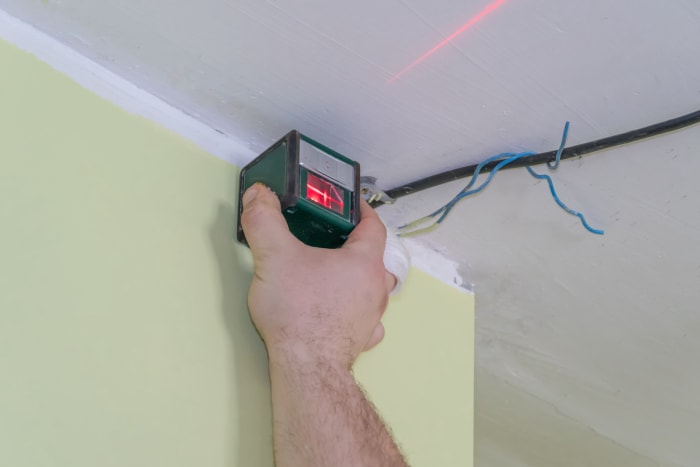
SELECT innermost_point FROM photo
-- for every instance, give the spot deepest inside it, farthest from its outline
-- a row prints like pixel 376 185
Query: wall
pixel 124 336
pixel 595 332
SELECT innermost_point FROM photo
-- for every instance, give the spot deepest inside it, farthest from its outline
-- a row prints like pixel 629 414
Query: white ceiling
pixel 257 68
pixel 600 331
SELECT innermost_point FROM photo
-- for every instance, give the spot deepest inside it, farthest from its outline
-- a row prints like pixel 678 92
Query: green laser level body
pixel 319 189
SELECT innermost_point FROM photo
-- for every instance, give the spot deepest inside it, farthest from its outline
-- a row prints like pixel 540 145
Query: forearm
pixel 322 418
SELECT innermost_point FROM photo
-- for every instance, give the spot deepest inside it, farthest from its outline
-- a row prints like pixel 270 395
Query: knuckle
pixel 383 300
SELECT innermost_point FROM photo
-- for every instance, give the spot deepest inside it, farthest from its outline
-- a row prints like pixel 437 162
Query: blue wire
pixel 446 208
pixel 505 159
pixel 465 192
pixel 561 204
pixel 561 148
pixel 503 155
pixel 551 184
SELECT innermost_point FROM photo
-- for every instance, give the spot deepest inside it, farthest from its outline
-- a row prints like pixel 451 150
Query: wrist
pixel 302 359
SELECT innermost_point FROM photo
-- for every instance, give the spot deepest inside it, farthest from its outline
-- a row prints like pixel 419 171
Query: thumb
pixel 370 234
pixel 265 228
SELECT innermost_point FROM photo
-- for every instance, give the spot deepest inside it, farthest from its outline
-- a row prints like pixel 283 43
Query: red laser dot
pixel 482 14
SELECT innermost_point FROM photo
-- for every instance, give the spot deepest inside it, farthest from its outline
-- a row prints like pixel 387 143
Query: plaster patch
pixel 437 265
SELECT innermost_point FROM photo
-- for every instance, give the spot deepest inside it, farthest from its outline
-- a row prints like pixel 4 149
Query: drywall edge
pixel 119 91
pixel 135 100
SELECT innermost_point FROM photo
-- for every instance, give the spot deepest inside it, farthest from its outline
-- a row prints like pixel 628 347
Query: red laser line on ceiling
pixel 481 15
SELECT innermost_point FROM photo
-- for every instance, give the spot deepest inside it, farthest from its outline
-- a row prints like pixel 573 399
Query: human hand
pixel 318 304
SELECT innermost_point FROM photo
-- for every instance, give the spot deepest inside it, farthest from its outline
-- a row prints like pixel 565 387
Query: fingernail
pixel 250 194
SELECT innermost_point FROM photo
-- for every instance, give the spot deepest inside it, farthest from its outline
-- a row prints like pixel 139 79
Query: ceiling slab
pixel 255 69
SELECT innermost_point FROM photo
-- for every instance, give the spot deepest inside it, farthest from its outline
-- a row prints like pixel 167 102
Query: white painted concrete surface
pixel 255 69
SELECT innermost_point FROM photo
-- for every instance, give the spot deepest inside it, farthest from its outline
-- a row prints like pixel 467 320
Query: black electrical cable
pixel 549 156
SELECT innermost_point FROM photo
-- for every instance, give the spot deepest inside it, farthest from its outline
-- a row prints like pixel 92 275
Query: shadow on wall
pixel 251 415
pixel 514 429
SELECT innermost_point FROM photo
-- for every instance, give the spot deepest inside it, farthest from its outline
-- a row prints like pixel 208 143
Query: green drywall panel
pixel 124 333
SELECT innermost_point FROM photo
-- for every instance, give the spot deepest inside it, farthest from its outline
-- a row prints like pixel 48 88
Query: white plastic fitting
pixel 396 258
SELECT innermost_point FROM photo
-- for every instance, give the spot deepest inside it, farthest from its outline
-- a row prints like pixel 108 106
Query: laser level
pixel 319 189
